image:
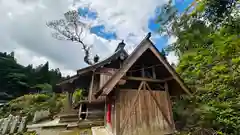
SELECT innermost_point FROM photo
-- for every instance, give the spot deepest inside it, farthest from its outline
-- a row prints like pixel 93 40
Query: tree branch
pixel 71 28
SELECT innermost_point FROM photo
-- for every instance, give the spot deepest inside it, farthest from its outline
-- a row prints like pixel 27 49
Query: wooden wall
pixel 106 74
pixel 146 118
pixel 93 87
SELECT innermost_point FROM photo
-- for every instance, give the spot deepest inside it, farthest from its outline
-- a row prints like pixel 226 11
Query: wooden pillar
pixel 154 73
pixel 117 113
pixel 80 112
pixel 105 112
pixel 142 71
pixel 91 88
pixel 120 64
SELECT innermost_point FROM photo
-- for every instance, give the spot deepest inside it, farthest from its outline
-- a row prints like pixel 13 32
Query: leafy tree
pixel 209 62
pixel 17 80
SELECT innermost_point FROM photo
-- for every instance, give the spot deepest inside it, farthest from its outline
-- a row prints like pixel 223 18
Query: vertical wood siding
pixel 106 74
pixel 146 118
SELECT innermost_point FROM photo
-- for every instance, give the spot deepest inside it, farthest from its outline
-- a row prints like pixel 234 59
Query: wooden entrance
pixel 144 111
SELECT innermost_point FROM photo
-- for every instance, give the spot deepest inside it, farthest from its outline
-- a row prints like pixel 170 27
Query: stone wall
pixel 12 124
pixel 40 115
pixel 16 124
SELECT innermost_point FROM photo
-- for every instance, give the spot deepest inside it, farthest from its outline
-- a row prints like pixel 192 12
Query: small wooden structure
pixel 132 90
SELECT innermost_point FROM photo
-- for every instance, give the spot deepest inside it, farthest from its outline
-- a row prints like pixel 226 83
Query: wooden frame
pixel 147 79
pixel 170 69
pixel 146 44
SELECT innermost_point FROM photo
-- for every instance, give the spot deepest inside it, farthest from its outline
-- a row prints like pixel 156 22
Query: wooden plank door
pixel 140 113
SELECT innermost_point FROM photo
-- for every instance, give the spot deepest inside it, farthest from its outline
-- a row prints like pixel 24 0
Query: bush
pixel 27 105
pixel 77 95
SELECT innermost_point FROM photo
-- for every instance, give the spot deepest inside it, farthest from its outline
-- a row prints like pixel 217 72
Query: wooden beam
pixel 80 112
pixel 117 113
pixel 91 88
pixel 159 106
pixel 147 79
pixel 141 78
pixel 127 116
pixel 162 87
pixel 169 104
pixel 105 109
pixel 87 114
pixel 120 64
pixel 143 89
pixel 143 46
pixel 68 80
pixel 142 71
pixel 154 72
pixel 170 69
pixel 92 102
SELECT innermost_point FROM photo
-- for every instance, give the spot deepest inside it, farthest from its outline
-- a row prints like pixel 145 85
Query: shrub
pixel 77 95
pixel 27 105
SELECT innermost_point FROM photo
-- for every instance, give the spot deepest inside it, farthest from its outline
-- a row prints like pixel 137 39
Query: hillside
pixel 17 80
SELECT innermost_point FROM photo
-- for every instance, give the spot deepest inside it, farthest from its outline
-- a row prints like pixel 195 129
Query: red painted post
pixel 109 113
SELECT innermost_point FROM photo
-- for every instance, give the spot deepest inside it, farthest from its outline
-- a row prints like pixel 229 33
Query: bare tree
pixel 71 28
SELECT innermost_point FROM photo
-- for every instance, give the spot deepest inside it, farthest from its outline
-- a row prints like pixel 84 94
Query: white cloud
pixel 171 40
pixel 129 19
pixel 172 57
pixel 23 29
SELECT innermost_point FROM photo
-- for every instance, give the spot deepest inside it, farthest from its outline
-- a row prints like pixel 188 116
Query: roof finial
pixel 148 35
pixel 120 46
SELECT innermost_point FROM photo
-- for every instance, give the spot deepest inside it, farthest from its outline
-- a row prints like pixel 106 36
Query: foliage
pixel 208 46
pixel 45 88
pixel 27 105
pixel 218 10
pixel 17 80
pixel 77 95
pixel 28 133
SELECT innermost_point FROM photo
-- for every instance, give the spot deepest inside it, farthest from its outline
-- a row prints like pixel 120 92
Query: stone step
pixel 90 123
pixel 68 115
pixel 99 131
pixel 74 119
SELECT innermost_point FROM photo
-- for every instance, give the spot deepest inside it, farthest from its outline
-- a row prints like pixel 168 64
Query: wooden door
pixel 140 113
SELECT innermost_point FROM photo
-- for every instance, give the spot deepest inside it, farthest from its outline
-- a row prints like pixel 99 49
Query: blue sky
pixel 161 42
pixel 100 31
pixel 123 20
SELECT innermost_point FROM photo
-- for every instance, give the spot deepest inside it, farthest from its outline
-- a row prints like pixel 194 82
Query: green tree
pixel 209 62
pixel 17 80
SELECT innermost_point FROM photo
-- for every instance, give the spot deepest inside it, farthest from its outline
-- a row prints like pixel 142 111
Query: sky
pixel 23 29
